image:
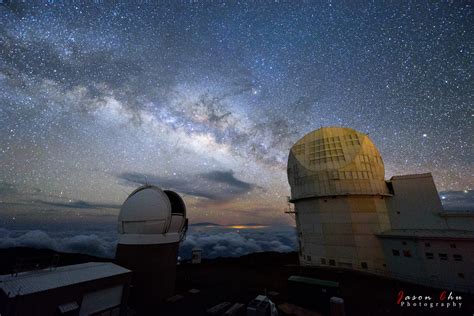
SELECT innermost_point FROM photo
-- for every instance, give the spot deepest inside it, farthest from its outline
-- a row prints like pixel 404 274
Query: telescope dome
pixel 150 214
pixel 335 161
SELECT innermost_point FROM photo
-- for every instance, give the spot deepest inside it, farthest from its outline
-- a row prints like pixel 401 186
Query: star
pixel 207 99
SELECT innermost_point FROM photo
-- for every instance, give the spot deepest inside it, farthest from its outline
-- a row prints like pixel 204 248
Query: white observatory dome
pixel 152 216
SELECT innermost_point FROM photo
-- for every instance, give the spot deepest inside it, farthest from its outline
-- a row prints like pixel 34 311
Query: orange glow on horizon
pixel 246 226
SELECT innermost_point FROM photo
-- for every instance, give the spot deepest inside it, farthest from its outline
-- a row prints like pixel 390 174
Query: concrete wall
pixel 342 229
pixel 415 203
pixel 454 272
pixel 459 220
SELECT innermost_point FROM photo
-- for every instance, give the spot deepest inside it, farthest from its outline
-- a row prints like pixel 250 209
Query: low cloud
pixel 12 189
pixel 79 204
pixel 95 244
pixel 221 242
pixel 27 196
pixel 227 177
pixel 7 188
pixel 214 185
pixel 214 241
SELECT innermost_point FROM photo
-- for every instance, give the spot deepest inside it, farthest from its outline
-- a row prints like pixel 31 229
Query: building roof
pixel 465 213
pixel 412 176
pixel 301 279
pixel 449 234
pixel 42 280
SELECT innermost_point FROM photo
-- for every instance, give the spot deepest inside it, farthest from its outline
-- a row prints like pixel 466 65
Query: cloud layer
pixel 96 244
pixel 220 242
pixel 215 241
pixel 457 200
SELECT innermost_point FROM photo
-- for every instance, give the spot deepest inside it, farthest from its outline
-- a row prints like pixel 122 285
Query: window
pixel 363 265
pixel 308 258
pixel 443 256
pixel 429 255
pixel 404 243
pixel 406 253
pixel 395 252
pixel 461 275
pixel 427 244
pixel 457 257
pixel 299 149
pixel 323 261
pixel 332 262
pixel 452 245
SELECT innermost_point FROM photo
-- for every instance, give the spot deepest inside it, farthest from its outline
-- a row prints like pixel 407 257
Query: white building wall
pixel 415 203
pixel 342 202
pixel 340 231
pixel 450 271
pixel 459 220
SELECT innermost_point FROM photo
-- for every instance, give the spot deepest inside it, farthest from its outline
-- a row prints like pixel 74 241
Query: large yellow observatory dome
pixel 335 161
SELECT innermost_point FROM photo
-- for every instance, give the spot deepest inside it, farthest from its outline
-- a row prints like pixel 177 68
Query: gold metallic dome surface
pixel 335 161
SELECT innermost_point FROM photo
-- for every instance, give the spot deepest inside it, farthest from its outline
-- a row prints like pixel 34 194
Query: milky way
pixel 207 98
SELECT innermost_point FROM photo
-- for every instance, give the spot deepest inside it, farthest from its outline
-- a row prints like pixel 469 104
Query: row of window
pixel 353 142
pixel 327 140
pixel 321 149
pixel 364 265
pixel 326 159
pixel 443 256
pixel 406 253
pixel 351 175
pixel 365 166
pixel 327 143
pixel 332 262
pixel 324 146
pixel 335 139
pixel 299 149
pixel 364 158
pixel 428 255
pixel 326 153
pixel 427 244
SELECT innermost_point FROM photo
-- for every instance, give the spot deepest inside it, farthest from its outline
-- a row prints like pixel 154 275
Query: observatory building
pixel 151 224
pixel 348 216
pixel 93 288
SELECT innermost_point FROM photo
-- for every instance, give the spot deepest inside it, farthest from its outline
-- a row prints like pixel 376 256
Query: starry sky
pixel 207 97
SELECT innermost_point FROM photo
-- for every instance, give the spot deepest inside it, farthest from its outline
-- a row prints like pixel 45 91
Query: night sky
pixel 206 98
